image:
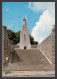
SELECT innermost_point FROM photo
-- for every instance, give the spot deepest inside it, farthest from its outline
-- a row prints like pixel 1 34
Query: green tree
pixel 18 37
pixel 12 36
pixel 32 41
pixel 35 42
pixel 15 37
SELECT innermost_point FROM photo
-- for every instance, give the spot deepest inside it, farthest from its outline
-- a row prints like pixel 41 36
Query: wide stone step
pixel 29 60
pixel 31 56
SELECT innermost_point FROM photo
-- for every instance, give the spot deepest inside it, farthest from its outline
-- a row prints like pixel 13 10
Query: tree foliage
pixel 32 41
pixel 12 36
pixel 15 37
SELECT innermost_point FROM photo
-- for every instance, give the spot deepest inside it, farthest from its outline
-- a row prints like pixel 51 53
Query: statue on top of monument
pixel 24 21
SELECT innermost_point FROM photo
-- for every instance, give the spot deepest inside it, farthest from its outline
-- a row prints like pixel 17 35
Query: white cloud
pixel 7 9
pixel 10 26
pixel 39 6
pixel 41 39
pixel 43 27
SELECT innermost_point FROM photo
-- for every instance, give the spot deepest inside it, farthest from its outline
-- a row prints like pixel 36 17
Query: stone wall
pixel 33 46
pixel 53 44
pixel 48 46
pixel 6 46
pixel 16 46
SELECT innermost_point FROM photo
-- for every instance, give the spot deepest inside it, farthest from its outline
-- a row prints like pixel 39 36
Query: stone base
pixel 24 47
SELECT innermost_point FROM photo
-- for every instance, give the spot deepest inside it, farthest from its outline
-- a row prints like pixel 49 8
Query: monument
pixel 24 37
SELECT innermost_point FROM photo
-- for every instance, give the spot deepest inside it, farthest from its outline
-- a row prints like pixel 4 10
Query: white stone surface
pixel 24 37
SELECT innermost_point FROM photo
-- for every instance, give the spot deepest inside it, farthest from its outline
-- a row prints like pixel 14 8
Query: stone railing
pixel 33 46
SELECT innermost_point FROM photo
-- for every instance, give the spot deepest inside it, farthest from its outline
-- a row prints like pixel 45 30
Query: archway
pixel 24 47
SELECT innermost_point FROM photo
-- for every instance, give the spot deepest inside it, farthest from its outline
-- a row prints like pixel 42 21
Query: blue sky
pixel 14 12
pixel 40 17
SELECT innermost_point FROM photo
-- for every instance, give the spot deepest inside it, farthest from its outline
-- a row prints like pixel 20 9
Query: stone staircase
pixel 29 60
pixel 31 57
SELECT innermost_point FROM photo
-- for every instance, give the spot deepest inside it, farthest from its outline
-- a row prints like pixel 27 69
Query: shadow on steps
pixel 15 57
